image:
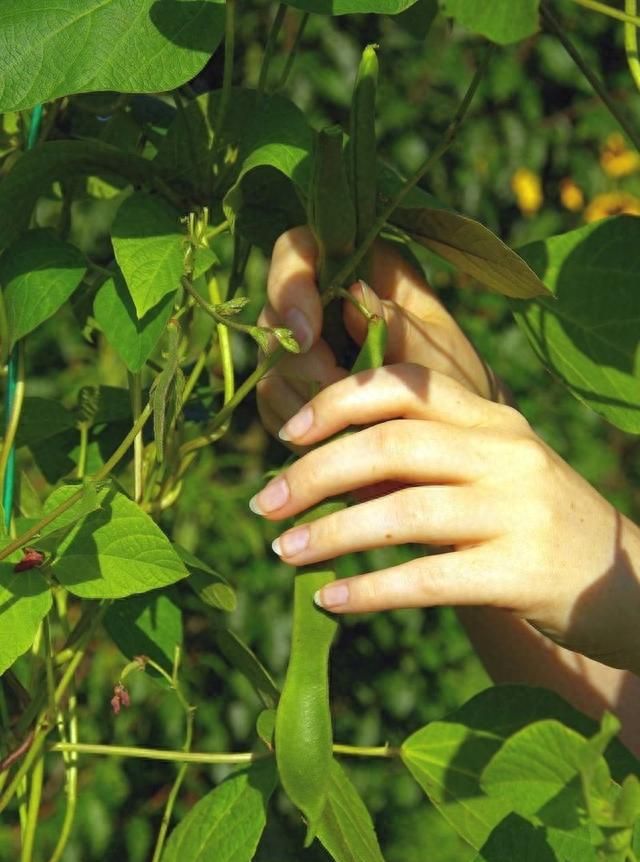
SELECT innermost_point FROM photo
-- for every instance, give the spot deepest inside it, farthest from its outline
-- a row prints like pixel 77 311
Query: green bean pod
pixel 331 213
pixel 372 351
pixel 361 149
pixel 303 734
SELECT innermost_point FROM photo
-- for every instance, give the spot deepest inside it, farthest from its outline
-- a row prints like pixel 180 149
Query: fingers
pixel 465 577
pixel 428 515
pixel 405 450
pixel 396 391
pixel 291 286
pixel 294 380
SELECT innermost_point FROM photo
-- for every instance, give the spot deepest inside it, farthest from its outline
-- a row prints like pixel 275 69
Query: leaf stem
pixel 270 46
pixel 157 754
pixel 631 42
pixel 83 428
pixel 609 11
pixel 359 751
pixel 552 23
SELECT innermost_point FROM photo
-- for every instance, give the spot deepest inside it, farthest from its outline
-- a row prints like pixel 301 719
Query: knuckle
pixel 511 417
pixel 532 455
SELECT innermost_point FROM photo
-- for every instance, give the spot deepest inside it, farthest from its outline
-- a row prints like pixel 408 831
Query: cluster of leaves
pixel 92 221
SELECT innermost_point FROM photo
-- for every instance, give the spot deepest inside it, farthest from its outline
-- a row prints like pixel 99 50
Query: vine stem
pixel 102 473
pixel 205 757
pixel 631 42
pixel 552 23
pixel 33 806
pixel 270 47
pixel 609 11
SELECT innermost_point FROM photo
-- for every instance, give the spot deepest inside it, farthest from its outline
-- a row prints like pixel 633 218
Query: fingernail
pixel 298 425
pixel 272 497
pixel 291 543
pixel 301 328
pixel 332 596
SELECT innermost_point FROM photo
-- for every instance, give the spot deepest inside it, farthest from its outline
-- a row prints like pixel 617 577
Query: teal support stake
pixel 10 474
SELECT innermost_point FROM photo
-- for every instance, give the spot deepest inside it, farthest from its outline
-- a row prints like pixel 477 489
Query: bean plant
pixel 103 106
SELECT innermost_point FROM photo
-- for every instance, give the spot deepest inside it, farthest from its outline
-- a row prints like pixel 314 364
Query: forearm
pixel 514 652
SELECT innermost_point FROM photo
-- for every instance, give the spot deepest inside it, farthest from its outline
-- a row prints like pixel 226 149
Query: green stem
pixel 227 75
pixel 156 754
pixel 244 328
pixel 102 473
pixel 135 393
pixel 270 47
pixel 35 795
pixel 552 23
pixel 293 53
pixel 225 412
pixel 631 42
pixel 358 751
pixel 4 332
pixel 83 428
pixel 595 6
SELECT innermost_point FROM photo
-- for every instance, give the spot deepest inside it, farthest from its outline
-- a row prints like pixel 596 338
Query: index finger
pixel 291 285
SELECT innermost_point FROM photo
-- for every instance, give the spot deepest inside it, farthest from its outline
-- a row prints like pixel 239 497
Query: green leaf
pixel 134 339
pixel 347 7
pixel 208 585
pixel 32 175
pixel 149 247
pixel 115 552
pixel 447 758
pixel 516 838
pixel 534 765
pixel 465 243
pixel 52 48
pixel 502 21
pixel 587 334
pixel 38 274
pixel 227 823
pixel 149 625
pixel 417 19
pixel 90 500
pixel 42 418
pixel 345 828
pixel 25 599
pixel 241 657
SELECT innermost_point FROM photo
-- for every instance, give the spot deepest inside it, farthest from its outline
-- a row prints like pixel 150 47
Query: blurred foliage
pixel 536 155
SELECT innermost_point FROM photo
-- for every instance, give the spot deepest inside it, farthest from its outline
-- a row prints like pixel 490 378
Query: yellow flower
pixel 616 159
pixel 571 195
pixel 612 203
pixel 528 191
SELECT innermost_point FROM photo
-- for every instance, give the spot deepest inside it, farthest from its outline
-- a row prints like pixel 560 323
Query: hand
pixel 520 530
pixel 420 328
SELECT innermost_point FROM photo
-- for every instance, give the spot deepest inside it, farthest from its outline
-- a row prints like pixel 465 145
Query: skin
pixel 545 573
